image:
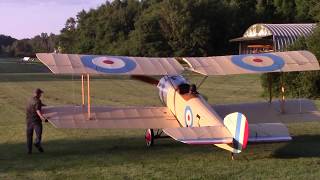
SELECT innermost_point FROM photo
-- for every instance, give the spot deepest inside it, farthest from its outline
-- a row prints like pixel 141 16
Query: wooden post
pixel 270 87
pixel 88 85
pixel 282 94
pixel 82 89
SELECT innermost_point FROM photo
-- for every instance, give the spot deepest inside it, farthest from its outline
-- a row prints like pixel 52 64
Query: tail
pixel 237 125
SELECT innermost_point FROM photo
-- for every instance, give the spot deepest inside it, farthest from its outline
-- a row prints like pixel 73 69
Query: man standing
pixel 34 121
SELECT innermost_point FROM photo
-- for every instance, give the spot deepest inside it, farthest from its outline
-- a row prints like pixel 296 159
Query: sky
pixel 28 18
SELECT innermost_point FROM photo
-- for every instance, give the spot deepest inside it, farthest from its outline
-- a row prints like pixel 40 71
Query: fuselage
pixel 190 108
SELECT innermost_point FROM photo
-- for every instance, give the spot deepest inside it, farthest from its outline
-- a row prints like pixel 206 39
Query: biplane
pixel 185 115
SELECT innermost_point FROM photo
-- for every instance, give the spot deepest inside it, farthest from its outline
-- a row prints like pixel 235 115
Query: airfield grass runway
pixel 121 154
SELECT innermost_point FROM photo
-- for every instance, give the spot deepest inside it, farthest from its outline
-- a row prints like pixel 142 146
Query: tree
pixel 146 39
pixel 266 11
pixel 5 43
pixel 67 38
pixel 22 48
pixel 303 8
pixel 183 27
pixel 286 9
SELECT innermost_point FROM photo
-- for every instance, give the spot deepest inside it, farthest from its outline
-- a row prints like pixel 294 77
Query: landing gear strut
pixel 151 135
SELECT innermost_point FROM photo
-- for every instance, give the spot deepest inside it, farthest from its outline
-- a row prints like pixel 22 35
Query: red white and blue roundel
pixel 188 116
pixel 109 64
pixel 258 62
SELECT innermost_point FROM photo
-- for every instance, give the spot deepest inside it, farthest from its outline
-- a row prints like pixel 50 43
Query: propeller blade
pixel 146 79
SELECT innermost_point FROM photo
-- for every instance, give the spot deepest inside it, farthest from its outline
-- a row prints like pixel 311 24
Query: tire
pixel 149 137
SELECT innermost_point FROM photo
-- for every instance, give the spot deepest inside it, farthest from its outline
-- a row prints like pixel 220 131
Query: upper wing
pixel 264 112
pixel 94 64
pixel 220 65
pixel 254 63
pixel 110 117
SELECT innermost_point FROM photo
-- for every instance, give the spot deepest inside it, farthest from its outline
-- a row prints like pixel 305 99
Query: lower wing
pixel 110 117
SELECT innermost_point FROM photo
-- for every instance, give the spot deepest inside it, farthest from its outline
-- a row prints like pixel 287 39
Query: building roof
pixel 283 34
pixel 255 38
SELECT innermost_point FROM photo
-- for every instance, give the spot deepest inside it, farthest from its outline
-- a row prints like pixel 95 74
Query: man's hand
pixel 41 116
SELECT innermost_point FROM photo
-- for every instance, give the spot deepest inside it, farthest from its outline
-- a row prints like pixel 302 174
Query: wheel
pixel 149 137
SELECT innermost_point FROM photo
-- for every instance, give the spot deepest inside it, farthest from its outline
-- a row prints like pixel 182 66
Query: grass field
pixel 121 154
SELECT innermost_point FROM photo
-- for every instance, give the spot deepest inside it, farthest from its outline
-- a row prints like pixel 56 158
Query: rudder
pixel 237 125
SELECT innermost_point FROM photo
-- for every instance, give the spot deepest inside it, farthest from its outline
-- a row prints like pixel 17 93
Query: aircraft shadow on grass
pixel 127 150
pixel 93 147
pixel 75 153
pixel 301 146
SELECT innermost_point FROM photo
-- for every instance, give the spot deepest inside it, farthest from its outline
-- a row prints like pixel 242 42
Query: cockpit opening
pixel 184 88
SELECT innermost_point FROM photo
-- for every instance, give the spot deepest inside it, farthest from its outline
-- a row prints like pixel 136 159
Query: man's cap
pixel 38 91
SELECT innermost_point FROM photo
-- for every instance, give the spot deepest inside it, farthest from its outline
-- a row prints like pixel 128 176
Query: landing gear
pixel 151 135
pixel 232 156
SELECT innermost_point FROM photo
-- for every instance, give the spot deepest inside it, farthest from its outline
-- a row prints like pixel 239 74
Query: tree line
pixel 175 28
pixel 10 47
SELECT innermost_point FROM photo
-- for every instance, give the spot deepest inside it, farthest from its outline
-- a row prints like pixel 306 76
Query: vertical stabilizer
pixel 237 125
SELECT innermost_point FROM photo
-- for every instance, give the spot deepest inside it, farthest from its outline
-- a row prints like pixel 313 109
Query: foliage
pixel 38 44
pixel 299 84
pixel 174 28
pixel 5 43
pixel 6 40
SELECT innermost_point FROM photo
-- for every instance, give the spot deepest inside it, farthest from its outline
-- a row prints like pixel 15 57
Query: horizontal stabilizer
pixel 297 110
pixel 268 132
pixel 200 135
